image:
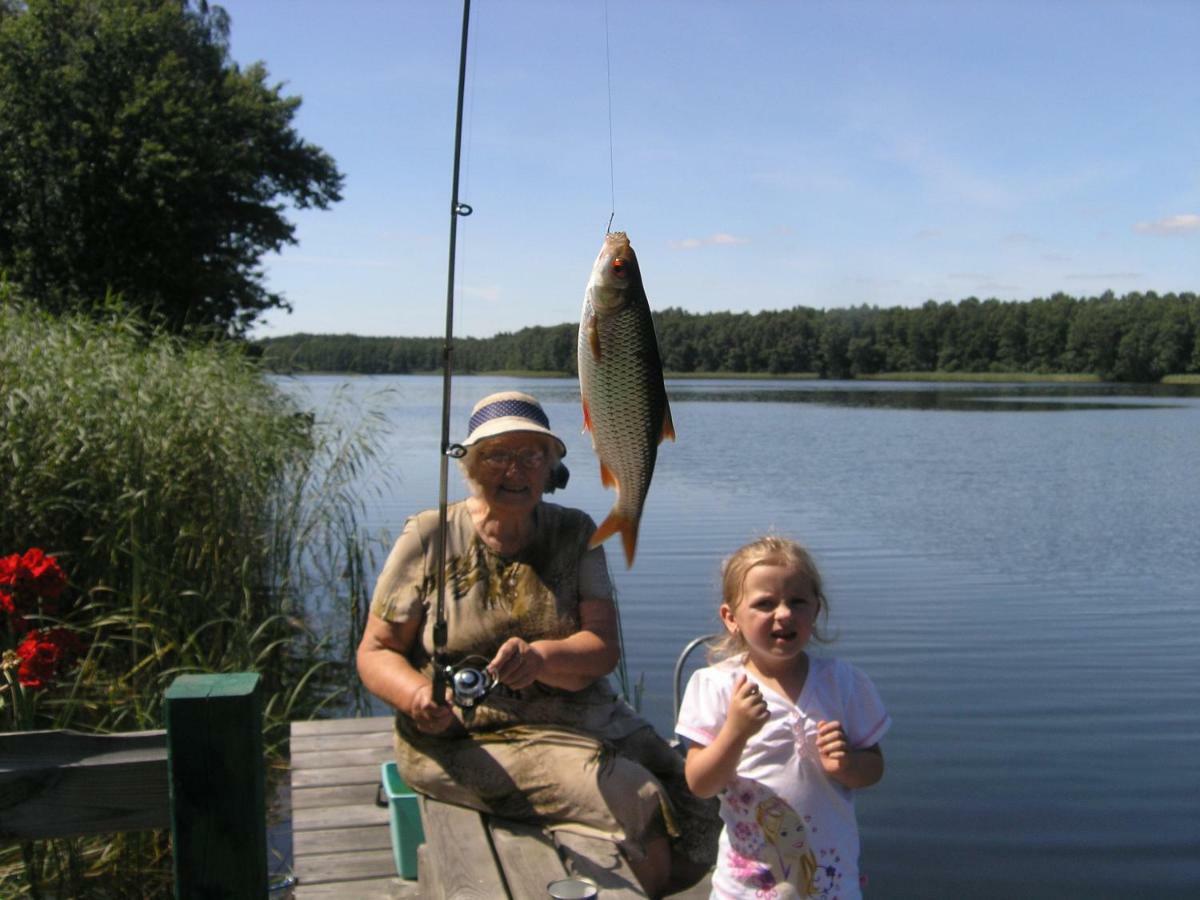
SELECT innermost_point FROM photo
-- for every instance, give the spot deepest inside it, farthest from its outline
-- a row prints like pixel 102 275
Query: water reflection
pixel 931 396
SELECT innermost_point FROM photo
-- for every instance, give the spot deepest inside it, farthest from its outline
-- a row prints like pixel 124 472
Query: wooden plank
pixel 431 885
pixel 601 861
pixel 347 741
pixel 366 889
pixel 341 726
pixel 460 853
pixel 339 795
pixel 527 855
pixel 218 793
pixel 66 784
pixel 339 817
pixel 340 840
pixel 350 867
pixel 333 776
pixel 324 759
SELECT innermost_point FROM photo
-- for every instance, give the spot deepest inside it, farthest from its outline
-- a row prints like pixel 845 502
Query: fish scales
pixel 621 386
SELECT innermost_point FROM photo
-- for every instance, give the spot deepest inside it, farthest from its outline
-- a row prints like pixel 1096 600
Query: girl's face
pixel 774 614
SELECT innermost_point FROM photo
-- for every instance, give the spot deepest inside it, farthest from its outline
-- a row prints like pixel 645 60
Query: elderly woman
pixel 527 600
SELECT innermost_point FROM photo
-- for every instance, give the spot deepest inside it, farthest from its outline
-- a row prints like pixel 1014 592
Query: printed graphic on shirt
pixel 774 851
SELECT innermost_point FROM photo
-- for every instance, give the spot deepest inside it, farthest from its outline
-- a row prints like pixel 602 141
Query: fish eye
pixel 618 264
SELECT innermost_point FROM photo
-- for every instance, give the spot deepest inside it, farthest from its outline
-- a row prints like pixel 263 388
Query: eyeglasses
pixel 502 459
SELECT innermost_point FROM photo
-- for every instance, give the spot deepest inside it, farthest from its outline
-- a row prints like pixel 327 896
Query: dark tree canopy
pixel 1137 337
pixel 137 158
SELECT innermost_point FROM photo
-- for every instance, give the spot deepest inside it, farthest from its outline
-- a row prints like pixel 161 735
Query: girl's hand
pixel 516 664
pixel 833 746
pixel 429 717
pixel 747 708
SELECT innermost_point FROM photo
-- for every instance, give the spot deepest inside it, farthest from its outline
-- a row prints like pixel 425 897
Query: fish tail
pixel 618 523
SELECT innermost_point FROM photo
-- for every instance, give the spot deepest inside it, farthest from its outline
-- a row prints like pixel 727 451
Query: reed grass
pixel 197 512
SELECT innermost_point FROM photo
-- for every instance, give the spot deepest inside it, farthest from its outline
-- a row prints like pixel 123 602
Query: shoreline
pixel 939 377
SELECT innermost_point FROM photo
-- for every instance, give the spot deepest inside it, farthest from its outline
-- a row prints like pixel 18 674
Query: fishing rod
pixel 441 670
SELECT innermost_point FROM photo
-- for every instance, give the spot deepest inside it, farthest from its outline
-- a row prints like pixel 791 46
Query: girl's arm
pixel 571 663
pixel 710 768
pixel 386 672
pixel 849 768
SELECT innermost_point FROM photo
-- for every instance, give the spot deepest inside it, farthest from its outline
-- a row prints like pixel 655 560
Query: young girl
pixel 784 738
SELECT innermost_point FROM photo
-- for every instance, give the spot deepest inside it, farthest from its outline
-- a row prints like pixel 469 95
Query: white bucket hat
pixel 509 411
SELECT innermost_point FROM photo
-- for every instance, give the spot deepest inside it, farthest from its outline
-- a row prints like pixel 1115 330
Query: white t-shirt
pixel 789 828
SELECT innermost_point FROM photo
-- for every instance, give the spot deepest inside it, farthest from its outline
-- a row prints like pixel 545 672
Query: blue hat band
pixel 501 408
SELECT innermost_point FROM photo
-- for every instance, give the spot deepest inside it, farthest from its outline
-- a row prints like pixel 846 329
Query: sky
pixel 760 155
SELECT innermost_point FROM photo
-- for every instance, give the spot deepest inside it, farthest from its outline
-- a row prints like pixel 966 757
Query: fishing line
pixel 465 259
pixel 612 181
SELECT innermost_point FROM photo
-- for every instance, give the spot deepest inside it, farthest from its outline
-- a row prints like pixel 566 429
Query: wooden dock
pixel 342 846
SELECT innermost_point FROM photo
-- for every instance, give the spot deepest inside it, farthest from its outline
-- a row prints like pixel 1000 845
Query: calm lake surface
pixel 1016 566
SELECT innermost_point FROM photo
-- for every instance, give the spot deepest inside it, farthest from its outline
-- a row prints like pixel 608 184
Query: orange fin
pixel 587 417
pixel 610 526
pixel 668 429
pixel 607 478
pixel 593 336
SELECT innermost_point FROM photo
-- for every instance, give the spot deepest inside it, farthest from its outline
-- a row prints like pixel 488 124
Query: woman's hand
pixel 517 664
pixel 427 716
pixel 747 708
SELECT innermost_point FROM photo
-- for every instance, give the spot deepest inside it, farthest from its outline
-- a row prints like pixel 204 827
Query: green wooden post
pixel 218 810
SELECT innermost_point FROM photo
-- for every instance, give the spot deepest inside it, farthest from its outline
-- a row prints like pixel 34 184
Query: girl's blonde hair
pixel 770 550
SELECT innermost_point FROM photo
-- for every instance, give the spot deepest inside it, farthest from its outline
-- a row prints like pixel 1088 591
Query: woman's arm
pixel 571 663
pixel 386 672
pixel 710 768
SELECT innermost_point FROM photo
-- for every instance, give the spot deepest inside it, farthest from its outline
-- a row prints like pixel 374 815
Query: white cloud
pixel 719 239
pixel 1170 225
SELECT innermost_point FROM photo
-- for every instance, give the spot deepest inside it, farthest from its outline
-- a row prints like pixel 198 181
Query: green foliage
pixel 1138 337
pixel 137 158
pixel 197 513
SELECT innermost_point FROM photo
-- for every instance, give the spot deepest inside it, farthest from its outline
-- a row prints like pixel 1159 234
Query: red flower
pixel 47 578
pixel 45 655
pixel 24 580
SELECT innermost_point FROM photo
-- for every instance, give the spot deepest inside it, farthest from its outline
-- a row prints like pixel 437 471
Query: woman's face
pixel 510 471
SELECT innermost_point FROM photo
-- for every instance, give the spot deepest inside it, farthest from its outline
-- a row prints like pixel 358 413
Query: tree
pixel 137 158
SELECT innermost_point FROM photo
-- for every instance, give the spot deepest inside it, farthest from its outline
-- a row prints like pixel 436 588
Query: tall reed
pixel 196 511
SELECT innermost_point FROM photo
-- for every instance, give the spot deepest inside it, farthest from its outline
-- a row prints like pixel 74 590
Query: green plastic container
pixel 404 821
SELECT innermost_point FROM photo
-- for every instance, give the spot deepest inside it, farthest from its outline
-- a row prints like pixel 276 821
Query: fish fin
pixel 587 417
pixel 607 478
pixel 610 526
pixel 668 429
pixel 593 336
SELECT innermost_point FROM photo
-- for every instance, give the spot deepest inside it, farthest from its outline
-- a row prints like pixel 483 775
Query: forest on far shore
pixel 1135 337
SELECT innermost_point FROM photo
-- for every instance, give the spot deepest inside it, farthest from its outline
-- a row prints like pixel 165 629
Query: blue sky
pixel 764 155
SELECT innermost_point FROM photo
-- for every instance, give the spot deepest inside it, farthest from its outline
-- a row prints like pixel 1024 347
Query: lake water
pixel 1017 567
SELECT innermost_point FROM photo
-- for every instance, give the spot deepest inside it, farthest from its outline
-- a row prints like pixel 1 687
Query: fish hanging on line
pixel 621 384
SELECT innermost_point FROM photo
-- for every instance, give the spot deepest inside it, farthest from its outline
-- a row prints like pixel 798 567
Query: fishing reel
pixel 469 685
